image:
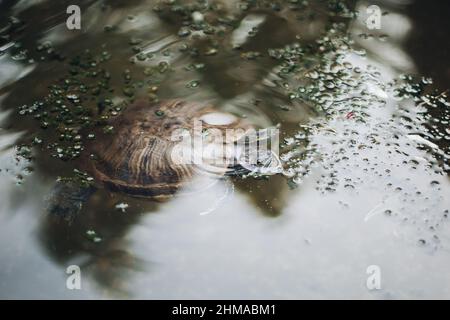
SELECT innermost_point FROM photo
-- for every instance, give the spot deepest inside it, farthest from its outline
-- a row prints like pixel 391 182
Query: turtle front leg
pixel 67 198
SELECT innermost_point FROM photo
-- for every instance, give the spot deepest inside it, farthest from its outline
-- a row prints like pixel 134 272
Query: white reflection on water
pixel 318 248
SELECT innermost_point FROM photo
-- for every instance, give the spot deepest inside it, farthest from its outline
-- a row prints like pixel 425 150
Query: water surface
pixel 354 194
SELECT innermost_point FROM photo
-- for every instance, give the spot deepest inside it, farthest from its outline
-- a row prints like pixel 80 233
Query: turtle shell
pixel 136 158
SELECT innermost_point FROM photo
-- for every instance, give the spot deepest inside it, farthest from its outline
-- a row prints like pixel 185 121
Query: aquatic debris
pixel 193 84
pixel 163 66
pixel 250 55
pixel 77 102
pixel 422 242
pixel 122 206
pixel 79 177
pixel 184 32
pixel 92 236
pixel 211 51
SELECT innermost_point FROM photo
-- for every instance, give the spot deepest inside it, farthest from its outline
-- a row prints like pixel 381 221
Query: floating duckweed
pixel 24 151
pixel 313 75
pixel 127 75
pixel 37 141
pixel 128 91
pixel 183 47
pixel 152 97
pixel 136 49
pixel 348 65
pixel 141 56
pixel 285 108
pixel 211 51
pixel 149 71
pixel 163 66
pixel 61 109
pixel 196 66
pixel 330 85
pixel 72 97
pixel 193 84
pixel 153 88
pixel 184 32
pixel 92 236
pixel 108 129
pixel 122 206
pixel 135 41
pixel 250 55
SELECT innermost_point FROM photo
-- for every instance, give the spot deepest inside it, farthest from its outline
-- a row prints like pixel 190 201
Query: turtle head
pixel 257 153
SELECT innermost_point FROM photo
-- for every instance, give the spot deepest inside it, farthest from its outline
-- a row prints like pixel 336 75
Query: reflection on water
pixel 366 155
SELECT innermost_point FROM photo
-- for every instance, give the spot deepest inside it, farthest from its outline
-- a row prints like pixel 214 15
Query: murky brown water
pixel 366 156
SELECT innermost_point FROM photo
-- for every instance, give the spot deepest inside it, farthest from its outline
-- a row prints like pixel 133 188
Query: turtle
pixel 148 155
